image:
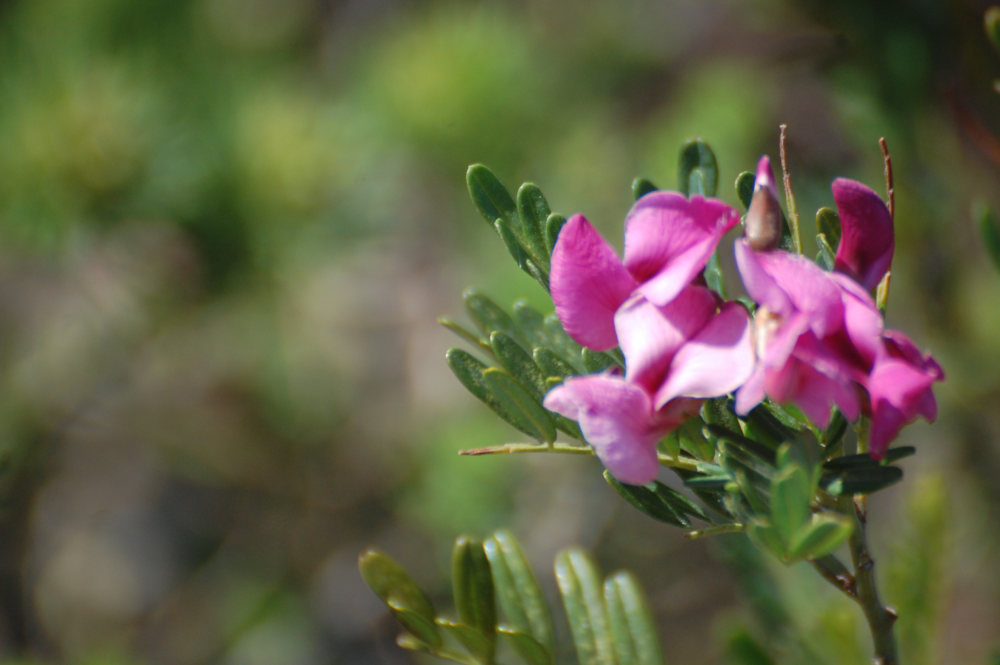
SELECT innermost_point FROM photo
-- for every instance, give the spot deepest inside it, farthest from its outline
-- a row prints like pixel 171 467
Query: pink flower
pixel 867 240
pixel 900 389
pixel 675 355
pixel 668 241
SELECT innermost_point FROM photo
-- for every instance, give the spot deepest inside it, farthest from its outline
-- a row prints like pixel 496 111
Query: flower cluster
pixel 816 338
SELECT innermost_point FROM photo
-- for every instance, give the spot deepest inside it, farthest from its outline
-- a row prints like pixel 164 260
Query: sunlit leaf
pixel 583 599
pixel 526 647
pixel 698 171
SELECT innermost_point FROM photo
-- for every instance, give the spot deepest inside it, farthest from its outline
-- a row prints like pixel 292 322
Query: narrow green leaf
pixel 519 363
pixel 763 455
pixel 743 649
pixel 828 225
pixel 596 361
pixel 517 589
pixel 553 225
pixel 692 439
pixel 991 23
pixel 763 426
pixel 861 480
pixel 719 411
pixel 474 641
pixel 713 275
pixel 472 585
pixel 766 537
pixel 634 633
pixel 489 316
pixel 534 211
pixel 825 257
pixel 512 243
pixel 561 343
pixel 698 170
pixel 411 642
pixel 790 496
pixel 465 333
pixel 529 415
pixel 490 196
pixel 641 187
pixel 583 600
pixel 744 187
pixel 649 501
pixel 833 436
pixel 531 323
pixel 820 537
pixel 552 365
pixel 864 460
pixel 396 588
pixel 526 647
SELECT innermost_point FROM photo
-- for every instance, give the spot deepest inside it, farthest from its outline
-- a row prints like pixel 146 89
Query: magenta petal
pixel 862 320
pixel 588 283
pixel 714 362
pixel 785 282
pixel 752 392
pixel 813 392
pixel 765 176
pixel 650 335
pixel 616 419
pixel 669 239
pixel 866 240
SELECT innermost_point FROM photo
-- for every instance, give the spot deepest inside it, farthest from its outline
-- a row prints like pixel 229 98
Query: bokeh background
pixel 227 228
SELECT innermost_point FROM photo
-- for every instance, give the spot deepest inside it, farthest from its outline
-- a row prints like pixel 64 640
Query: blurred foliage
pixel 227 229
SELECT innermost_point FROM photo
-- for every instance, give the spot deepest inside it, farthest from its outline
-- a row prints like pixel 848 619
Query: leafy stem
pixel 670 461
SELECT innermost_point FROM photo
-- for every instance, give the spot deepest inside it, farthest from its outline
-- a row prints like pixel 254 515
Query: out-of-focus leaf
pixel 465 333
pixel 517 589
pixel 489 316
pixel 825 257
pixel 531 323
pixel 512 243
pixel 478 644
pixel 641 187
pixel 553 224
pixel 828 225
pixel 528 414
pixel 991 22
pixel 526 647
pixel 833 437
pixel 596 361
pixel 791 493
pixel 743 649
pixel 861 480
pixel 765 428
pixel 396 588
pixel 713 275
pixel 698 170
pixel 583 599
pixel 632 627
pixel 534 210
pixel 824 534
pixel 552 365
pixel 719 411
pixel 490 196
pixel 744 187
pixel 766 537
pixel 561 343
pixel 519 363
pixel 864 460
pixel 472 585
pixel 765 455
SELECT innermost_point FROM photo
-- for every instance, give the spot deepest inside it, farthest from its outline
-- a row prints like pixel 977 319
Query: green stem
pixel 793 209
pixel 685 463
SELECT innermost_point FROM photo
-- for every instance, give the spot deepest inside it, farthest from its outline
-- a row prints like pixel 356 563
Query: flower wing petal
pixel 866 237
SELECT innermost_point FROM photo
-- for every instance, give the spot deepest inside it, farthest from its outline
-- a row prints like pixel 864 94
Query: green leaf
pixel 744 187
pixel 551 364
pixel 634 633
pixel 583 600
pixel 989 227
pixel 825 257
pixel 713 275
pixel 534 211
pixel 489 316
pixel 517 589
pixel 519 363
pixel 860 480
pixel 472 584
pixel 766 537
pixel 833 437
pixel 820 537
pixel 763 456
pixel 828 225
pixel 490 196
pixel 719 411
pixel 864 460
pixel 641 187
pixel 512 243
pixel 561 343
pixel 991 23
pixel 698 170
pixel 553 225
pixel 528 414
pixel 651 499
pixel 396 588
pixel 526 647
pixel 474 641
pixel 464 333
pixel 764 427
pixel 791 493
pixel 531 324
pixel 743 649
pixel 596 361
pixel 503 394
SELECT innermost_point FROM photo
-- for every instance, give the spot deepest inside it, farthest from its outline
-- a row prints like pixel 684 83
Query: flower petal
pixel 588 283
pixel 714 362
pixel 616 419
pixel 866 240
pixel 650 335
pixel 669 239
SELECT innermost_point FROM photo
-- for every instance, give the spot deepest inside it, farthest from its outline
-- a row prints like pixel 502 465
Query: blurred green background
pixel 227 228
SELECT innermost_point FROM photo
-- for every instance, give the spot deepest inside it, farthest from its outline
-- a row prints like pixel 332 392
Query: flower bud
pixel 762 227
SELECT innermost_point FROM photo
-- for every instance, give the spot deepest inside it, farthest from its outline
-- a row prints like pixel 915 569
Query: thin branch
pixel 793 210
pixel 686 463
pixel 718 530
pixel 890 190
pixel 837 574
